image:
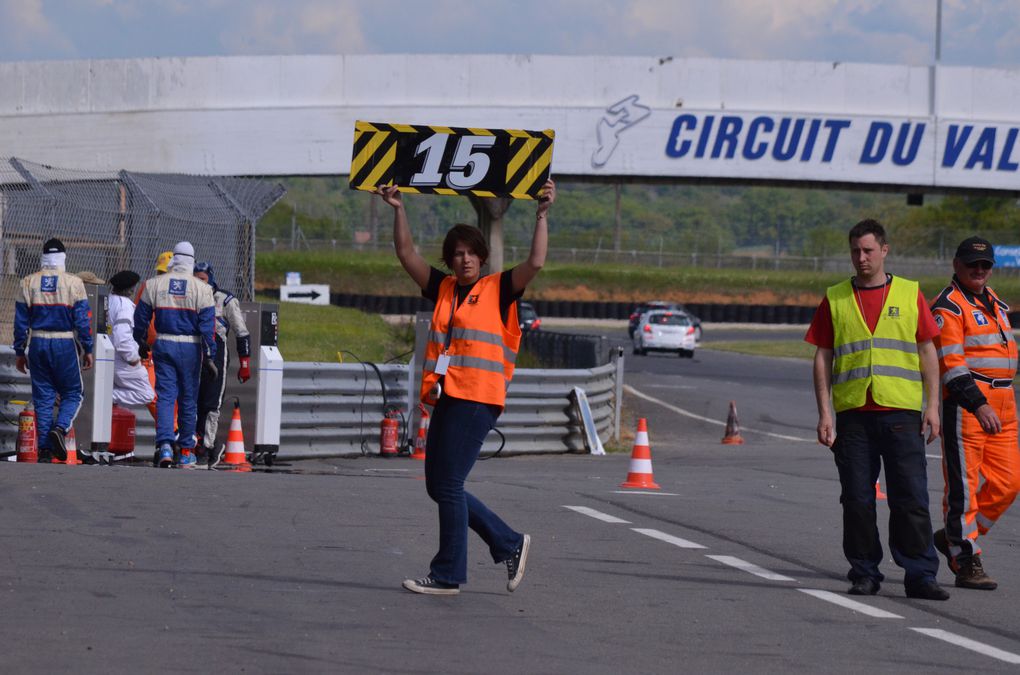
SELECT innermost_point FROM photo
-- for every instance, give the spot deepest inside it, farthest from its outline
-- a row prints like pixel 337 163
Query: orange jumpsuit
pixel 977 362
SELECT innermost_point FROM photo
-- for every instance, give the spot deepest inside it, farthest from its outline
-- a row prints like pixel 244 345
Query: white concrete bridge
pixel 905 127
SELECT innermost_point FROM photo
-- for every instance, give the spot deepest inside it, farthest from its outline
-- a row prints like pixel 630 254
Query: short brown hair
pixel 464 234
pixel 866 227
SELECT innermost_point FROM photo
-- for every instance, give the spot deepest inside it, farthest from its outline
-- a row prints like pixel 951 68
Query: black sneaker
pixel 58 445
pixel 927 590
pixel 864 586
pixel 515 564
pixel 430 586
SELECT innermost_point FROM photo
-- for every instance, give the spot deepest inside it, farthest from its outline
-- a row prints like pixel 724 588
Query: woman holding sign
pixel 469 361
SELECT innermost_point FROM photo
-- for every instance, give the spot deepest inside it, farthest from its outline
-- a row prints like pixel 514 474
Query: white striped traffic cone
pixel 235 456
pixel 640 474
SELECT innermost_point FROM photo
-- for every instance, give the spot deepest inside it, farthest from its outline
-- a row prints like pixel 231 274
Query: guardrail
pixel 335 410
pixel 584 309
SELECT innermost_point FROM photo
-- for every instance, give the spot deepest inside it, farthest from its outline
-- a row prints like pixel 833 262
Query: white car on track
pixel 665 331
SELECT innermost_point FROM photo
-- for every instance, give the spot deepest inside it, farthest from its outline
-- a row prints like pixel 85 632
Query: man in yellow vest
pixel 874 357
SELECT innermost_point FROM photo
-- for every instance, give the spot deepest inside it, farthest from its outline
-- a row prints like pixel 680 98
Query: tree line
pixel 684 218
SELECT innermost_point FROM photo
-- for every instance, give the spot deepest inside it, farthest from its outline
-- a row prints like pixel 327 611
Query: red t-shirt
pixel 870 301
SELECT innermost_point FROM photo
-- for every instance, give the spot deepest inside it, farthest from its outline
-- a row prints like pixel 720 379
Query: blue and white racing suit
pixel 51 307
pixel 185 314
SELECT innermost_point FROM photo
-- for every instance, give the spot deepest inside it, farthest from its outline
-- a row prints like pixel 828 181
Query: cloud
pixel 981 33
pixel 860 30
pixel 300 27
pixel 27 32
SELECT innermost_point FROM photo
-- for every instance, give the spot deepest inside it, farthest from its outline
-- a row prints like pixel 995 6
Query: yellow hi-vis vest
pixel 886 361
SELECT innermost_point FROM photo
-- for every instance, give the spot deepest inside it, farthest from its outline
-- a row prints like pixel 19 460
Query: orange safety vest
pixel 973 340
pixel 482 348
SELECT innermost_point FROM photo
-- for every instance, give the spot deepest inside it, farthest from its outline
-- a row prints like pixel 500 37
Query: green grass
pixel 797 349
pixel 316 333
pixel 379 273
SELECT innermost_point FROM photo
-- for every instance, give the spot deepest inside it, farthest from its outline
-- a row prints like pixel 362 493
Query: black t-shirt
pixel 506 290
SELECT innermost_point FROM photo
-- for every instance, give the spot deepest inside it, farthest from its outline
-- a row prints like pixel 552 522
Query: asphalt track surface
pixel 734 565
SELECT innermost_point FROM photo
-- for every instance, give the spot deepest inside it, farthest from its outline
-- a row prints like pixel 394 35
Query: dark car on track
pixel 640 309
pixel 528 317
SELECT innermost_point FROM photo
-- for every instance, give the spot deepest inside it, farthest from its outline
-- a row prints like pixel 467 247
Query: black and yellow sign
pixel 451 160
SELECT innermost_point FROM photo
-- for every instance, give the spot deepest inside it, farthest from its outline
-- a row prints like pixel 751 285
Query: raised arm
pixel 523 273
pixel 411 260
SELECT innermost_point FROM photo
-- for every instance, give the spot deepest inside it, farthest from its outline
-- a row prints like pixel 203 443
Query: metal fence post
pixel 618 398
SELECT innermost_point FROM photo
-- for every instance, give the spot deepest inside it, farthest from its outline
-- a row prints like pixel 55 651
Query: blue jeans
pixel 865 440
pixel 455 437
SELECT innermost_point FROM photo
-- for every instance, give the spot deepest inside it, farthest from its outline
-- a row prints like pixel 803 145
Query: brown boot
pixel 971 574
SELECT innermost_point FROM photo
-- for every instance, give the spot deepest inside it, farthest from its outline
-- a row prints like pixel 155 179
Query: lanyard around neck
pixel 449 323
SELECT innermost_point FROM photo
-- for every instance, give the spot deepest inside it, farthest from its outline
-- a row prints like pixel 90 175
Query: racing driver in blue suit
pixel 185 313
pixel 51 308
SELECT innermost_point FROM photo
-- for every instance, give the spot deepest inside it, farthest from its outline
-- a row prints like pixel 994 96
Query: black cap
pixel 124 280
pixel 54 246
pixel 973 249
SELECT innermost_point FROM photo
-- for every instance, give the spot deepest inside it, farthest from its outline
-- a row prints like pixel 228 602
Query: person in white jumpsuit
pixel 131 385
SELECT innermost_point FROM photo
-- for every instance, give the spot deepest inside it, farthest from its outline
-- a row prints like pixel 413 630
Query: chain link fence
pixel 116 220
pixel 906 266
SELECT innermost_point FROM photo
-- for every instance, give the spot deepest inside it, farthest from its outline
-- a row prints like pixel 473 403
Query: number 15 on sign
pixel 451 160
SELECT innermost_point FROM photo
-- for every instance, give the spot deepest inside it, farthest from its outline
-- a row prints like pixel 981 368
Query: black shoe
pixel 927 590
pixel 516 563
pixel 972 575
pixel 430 586
pixel 58 446
pixel 864 586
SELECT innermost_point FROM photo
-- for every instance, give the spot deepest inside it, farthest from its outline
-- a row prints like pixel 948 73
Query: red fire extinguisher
pixel 388 434
pixel 28 450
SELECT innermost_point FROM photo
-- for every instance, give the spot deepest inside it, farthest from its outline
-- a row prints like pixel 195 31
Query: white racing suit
pixel 131 385
pixel 210 396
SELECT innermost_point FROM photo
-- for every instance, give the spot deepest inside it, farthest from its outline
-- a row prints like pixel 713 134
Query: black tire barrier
pixel 707 312
pixel 564 350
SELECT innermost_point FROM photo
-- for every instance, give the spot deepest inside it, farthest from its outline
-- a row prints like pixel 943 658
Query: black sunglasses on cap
pixel 983 264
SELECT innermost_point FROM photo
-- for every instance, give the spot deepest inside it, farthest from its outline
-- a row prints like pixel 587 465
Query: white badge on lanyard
pixel 442 363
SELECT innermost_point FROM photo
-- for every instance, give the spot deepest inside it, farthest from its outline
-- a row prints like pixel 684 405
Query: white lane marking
pixel 668 538
pixel 835 599
pixel 967 643
pixel 388 470
pixel 750 568
pixel 687 413
pixel 645 492
pixel 671 386
pixel 934 456
pixel 597 515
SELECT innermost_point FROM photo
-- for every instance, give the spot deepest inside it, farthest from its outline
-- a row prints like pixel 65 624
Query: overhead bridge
pixel 913 128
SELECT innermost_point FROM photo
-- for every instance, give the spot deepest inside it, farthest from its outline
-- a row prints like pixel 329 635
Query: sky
pixel 975 32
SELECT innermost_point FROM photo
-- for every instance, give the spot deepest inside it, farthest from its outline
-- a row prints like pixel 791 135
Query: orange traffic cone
pixel 235 456
pixel 732 436
pixel 419 441
pixel 640 474
pixel 72 449
pixel 878 491
pixel 28 446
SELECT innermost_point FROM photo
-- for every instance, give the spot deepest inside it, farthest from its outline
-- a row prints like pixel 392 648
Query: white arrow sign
pixel 312 294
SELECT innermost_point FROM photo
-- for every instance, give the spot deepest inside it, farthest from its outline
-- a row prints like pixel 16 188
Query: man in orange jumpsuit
pixel 977 361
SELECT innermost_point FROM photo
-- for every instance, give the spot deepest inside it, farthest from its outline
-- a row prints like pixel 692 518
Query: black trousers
pixel 210 397
pixel 865 440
